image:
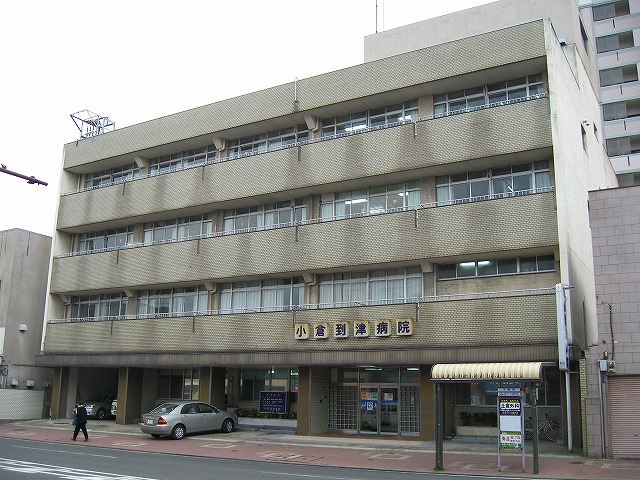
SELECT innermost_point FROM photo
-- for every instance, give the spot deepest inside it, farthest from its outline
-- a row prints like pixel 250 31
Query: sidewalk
pixel 249 442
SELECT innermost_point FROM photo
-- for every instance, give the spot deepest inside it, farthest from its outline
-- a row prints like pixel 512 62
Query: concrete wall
pixel 476 21
pixel 24 267
pixel 580 165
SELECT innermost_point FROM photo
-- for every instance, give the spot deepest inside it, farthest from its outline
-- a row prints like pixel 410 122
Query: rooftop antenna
pixel 91 124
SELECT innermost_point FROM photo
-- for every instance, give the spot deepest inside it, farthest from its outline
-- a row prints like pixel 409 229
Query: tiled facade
pixel 455 277
pixel 615 223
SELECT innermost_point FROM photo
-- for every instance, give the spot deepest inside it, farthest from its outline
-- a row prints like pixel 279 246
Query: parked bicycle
pixel 551 429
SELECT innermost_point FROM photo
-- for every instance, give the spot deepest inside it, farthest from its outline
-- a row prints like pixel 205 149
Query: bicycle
pixel 551 429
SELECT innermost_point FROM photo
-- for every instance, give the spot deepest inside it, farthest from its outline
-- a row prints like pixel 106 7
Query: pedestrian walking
pixel 81 422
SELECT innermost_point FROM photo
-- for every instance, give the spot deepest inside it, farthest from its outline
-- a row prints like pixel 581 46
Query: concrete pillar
pixel 427 404
pixel 304 401
pixel 212 386
pixel 129 395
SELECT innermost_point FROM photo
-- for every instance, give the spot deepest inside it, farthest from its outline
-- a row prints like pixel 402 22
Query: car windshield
pixel 164 408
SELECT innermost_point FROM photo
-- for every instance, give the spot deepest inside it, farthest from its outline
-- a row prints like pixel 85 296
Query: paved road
pixel 383 454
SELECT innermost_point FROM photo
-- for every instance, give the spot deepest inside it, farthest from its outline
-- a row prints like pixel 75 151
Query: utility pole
pixel 29 179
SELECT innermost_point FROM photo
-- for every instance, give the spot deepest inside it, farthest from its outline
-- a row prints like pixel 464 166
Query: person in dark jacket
pixel 81 422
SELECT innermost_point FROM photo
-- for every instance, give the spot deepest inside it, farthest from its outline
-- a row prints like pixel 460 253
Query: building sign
pixel 361 329
pixel 321 330
pixel 273 402
pixel 301 330
pixel 401 327
pixel 404 326
pixel 382 328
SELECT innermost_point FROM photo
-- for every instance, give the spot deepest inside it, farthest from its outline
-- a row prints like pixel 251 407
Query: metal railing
pixel 316 140
pixel 318 306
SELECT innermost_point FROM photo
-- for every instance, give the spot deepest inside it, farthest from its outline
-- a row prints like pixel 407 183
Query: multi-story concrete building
pixel 336 237
pixel 615 32
pixel 613 363
pixel 24 271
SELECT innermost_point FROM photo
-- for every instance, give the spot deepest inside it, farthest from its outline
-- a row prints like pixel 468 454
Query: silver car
pixel 184 417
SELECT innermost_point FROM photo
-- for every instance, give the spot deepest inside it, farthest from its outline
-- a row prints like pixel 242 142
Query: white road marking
pixel 64 473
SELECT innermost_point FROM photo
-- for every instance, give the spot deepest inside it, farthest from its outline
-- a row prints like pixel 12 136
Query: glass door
pixel 369 409
pixel 379 409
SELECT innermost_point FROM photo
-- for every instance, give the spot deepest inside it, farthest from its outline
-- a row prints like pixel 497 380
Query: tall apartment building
pixel 24 271
pixel 334 238
pixel 613 380
pixel 615 32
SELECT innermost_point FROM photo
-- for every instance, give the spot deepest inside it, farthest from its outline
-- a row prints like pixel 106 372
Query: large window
pixel 179 384
pixel 617 41
pixel 173 301
pixel 492 267
pixel 114 175
pixel 272 140
pixel 488 94
pixel 99 306
pixel 266 295
pixel 105 239
pixel 618 75
pixel 179 161
pixel 623 145
pixel 373 200
pixel 611 10
pixel 392 285
pixel 178 228
pixel 505 181
pixel 270 215
pixel 401 112
pixel 620 110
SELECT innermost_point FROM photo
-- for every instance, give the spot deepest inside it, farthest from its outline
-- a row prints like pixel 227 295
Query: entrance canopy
pixel 487 372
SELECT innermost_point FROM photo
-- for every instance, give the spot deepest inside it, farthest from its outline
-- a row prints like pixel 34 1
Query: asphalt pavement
pixel 252 442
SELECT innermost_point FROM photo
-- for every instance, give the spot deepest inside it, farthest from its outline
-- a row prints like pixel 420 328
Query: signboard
pixel 273 402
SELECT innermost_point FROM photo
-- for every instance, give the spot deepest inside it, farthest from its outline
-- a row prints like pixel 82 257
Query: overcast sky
pixel 136 60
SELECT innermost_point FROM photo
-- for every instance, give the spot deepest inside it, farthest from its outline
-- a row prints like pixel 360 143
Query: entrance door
pixel 379 409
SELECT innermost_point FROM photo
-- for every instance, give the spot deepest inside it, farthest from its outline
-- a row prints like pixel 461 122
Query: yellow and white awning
pixel 487 372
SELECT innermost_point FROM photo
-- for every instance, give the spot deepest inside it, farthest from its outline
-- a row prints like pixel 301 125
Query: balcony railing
pixel 320 139
pixel 317 306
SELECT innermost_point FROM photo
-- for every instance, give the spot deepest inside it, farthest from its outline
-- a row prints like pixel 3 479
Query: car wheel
pixel 101 415
pixel 156 435
pixel 178 432
pixel 227 425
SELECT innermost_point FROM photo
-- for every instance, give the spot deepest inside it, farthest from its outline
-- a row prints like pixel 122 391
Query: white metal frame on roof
pixel 487 372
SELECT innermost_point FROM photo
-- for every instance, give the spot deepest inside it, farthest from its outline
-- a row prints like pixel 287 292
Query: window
pixel 186 159
pixel 99 306
pixel 620 110
pixel 618 75
pixel 373 200
pixel 181 228
pixel 270 215
pixel 173 302
pixel 472 186
pixel 623 145
pixel 179 384
pixel 488 94
pixel 282 379
pixel 106 239
pixel 257 296
pixel 617 41
pixel 109 177
pixel 401 112
pixel 611 10
pixel 484 268
pixel 287 136
pixel 393 285
pixel 584 137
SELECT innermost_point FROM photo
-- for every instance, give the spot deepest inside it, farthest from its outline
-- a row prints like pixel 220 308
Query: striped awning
pixel 487 372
